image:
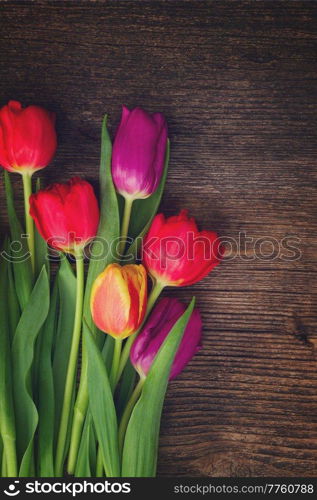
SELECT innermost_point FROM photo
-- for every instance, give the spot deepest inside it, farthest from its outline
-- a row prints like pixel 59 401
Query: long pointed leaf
pixel 109 225
pixel 86 461
pixel 41 259
pixel 7 419
pixel 108 233
pixel 41 250
pixel 31 321
pixel 2 457
pixel 46 402
pixel 102 407
pixel 13 303
pixel 142 436
pixel 126 387
pixel 4 472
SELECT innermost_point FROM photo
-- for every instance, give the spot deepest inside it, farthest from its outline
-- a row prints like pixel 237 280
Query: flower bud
pixel 118 299
pixel 139 153
pixel 162 319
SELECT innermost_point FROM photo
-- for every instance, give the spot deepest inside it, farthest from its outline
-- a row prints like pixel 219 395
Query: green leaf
pixel 4 472
pixel 41 250
pixel 126 387
pixel 143 212
pixel 142 436
pixel 66 282
pixel 108 232
pixel 7 419
pixel 13 303
pixel 92 445
pixel 41 259
pixel 2 459
pixel 107 352
pixel 102 253
pixel 19 253
pixel 46 402
pixel 109 225
pixel 102 407
pixel 86 461
pixel 31 321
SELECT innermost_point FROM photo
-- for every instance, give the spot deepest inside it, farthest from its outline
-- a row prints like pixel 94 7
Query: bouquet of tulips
pixel 87 348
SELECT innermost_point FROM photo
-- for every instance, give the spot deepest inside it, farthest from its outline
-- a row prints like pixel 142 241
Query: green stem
pixel 71 369
pixel 125 225
pixel 155 293
pixel 29 225
pixel 9 454
pixel 80 410
pixel 115 363
pixel 113 383
pixel 4 465
pixel 127 412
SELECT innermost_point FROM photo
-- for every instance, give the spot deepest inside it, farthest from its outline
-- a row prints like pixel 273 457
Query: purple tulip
pixel 139 153
pixel 160 323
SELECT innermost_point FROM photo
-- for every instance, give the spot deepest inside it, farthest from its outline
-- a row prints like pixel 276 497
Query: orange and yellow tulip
pixel 119 298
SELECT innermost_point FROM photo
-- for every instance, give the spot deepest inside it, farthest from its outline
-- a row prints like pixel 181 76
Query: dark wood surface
pixel 237 83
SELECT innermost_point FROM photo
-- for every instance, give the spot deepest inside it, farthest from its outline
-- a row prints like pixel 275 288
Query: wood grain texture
pixel 237 83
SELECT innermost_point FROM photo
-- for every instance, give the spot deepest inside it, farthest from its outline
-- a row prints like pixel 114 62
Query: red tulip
pixel 176 253
pixel 66 215
pixel 118 299
pixel 27 137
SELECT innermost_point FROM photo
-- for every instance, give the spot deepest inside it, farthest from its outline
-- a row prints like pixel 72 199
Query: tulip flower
pixel 27 144
pixel 138 158
pixel 175 253
pixel 138 153
pixel 119 298
pixel 27 137
pixel 66 215
pixel 148 342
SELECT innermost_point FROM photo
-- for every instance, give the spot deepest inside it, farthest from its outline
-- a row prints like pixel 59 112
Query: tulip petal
pixel 81 195
pixel 47 211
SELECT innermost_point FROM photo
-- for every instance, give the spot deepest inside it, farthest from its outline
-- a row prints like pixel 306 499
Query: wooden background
pixel 237 83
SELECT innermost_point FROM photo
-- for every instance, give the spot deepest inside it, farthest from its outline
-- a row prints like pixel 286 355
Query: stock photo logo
pixel 70 488
pixel 243 247
pixel 12 490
